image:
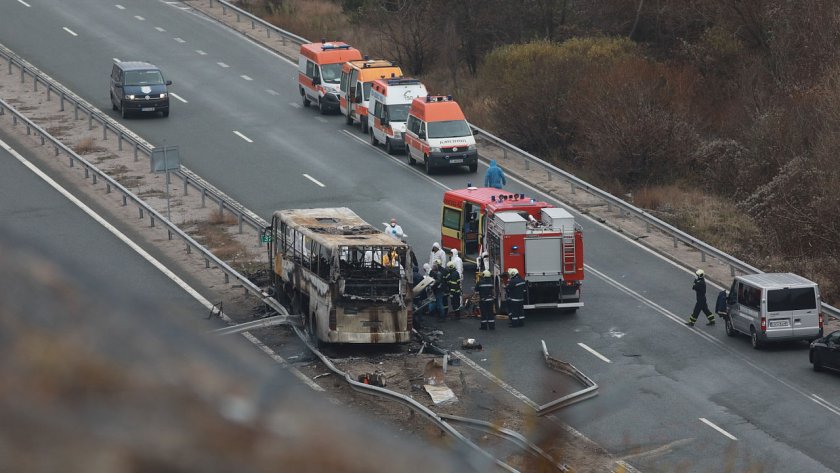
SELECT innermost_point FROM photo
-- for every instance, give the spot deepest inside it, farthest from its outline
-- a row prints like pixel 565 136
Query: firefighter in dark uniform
pixel 453 283
pixel 701 304
pixel 486 301
pixel 516 298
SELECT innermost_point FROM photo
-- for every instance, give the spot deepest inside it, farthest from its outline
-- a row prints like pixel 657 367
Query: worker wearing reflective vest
pixel 486 301
pixel 453 283
pixel 516 298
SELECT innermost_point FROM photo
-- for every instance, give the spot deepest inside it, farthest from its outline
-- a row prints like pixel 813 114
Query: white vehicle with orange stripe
pixel 354 90
pixel 390 100
pixel 437 133
pixel 319 72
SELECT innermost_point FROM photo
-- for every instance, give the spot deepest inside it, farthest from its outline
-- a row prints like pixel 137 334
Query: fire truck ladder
pixel 569 262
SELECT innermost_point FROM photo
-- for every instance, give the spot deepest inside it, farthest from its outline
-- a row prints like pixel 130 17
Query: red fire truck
pixel 541 241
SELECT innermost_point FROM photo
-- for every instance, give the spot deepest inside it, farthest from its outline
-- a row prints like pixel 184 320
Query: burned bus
pixel 347 280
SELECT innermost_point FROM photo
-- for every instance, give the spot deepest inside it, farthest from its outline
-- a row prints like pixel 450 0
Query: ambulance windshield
pixel 331 73
pixel 397 112
pixel 449 129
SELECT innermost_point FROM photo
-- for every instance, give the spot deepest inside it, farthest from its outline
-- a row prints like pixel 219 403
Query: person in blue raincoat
pixel 494 177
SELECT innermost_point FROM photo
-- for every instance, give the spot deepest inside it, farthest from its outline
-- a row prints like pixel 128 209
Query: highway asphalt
pixel 670 398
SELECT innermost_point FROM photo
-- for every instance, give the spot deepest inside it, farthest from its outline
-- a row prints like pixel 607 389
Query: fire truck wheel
pixel 348 118
pixel 306 101
pixel 474 167
pixel 428 164
pixel 388 148
pixel 373 139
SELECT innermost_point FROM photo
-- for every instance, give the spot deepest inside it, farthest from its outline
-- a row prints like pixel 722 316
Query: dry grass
pixel 313 19
pixel 87 146
pixel 215 235
pixel 221 218
pixel 59 130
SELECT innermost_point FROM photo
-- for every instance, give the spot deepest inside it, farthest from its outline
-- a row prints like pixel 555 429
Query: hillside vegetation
pixel 720 116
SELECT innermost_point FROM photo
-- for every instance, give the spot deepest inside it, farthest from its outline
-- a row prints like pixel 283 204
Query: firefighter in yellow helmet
pixel 516 298
pixel 486 301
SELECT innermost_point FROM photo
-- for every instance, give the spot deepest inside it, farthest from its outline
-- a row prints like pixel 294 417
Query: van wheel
pixel 348 119
pixel 411 160
pixel 364 124
pixel 730 330
pixel 321 108
pixel 306 101
pixel 756 343
pixel 373 139
pixel 113 104
pixel 474 167
pixel 817 362
pixel 388 148
pixel 165 113
pixel 123 113
pixel 426 160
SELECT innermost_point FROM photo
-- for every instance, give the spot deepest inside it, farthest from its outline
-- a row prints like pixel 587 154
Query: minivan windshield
pixel 449 129
pixel 397 112
pixel 151 77
pixel 331 73
pixel 801 298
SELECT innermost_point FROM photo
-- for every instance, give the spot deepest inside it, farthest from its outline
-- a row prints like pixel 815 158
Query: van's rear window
pixel 779 300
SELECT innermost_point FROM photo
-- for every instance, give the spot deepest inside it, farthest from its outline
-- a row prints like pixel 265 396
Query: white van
pixel 390 100
pixel 437 133
pixel 773 307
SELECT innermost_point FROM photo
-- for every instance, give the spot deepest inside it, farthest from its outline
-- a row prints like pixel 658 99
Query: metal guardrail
pixel 679 236
pixel 255 20
pixel 96 117
pixel 590 387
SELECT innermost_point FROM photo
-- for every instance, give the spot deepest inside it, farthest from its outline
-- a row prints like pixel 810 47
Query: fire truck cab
pixel 543 242
pixel 437 133
pixel 354 89
pixel 319 72
pixel 388 110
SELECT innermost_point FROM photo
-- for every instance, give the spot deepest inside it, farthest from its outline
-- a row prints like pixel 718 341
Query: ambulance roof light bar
pixel 402 81
pixel 438 98
pixel 329 46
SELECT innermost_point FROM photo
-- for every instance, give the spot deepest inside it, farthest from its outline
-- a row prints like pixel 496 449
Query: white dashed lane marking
pixel 221 64
pixel 177 97
pixel 200 52
pixel 245 77
pixel 160 29
pixel 707 422
pixel 249 140
pixel 24 4
pixel 120 7
pixel 180 40
pixel 590 350
pixel 69 30
pixel 316 181
pixel 139 17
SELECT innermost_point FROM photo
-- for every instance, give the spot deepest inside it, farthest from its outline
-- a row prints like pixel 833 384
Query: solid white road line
pixel 249 140
pixel 707 422
pixel 120 7
pixel 140 18
pixel 831 407
pixel 590 350
pixel 316 181
pixel 69 30
pixel 24 4
pixel 180 40
pixel 177 97
pixel 271 92
pixel 245 77
pixel 160 29
pixel 154 262
pixel 221 64
pixel 200 52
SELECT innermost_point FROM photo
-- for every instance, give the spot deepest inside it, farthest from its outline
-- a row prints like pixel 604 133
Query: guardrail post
pixel 87 172
pixel 10 66
pixel 186 184
pixel 75 111
pixel 284 40
pixel 221 208
pixel 732 270
pixel 527 164
pixel 548 173
pixel 224 10
pixel 56 150
pixel 203 195
pixel 107 187
pixel 72 162
pixel 189 249
pixel 227 278
pixel 152 220
pixel 90 120
pixel 125 200
pixel 206 262
pixel 609 206
pixel 34 84
pixel 169 233
pixel 22 70
pixel 136 151
pixel 43 142
pixel 14 120
pixel 62 102
pixel 119 141
pixel 211 3
pixel 94 177
pixel 675 241
pixel 647 227
pixel 28 129
pixel 268 32
pixel 253 25
pixel 573 187
pixel 237 17
pixel 702 256
pixel 49 89
pixel 240 223
pixel 141 211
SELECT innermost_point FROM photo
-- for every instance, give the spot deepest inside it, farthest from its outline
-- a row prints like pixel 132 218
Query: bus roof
pixel 330 53
pixel 335 227
pixel 436 109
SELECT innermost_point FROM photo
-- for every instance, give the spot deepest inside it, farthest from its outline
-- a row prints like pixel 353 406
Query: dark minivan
pixel 138 87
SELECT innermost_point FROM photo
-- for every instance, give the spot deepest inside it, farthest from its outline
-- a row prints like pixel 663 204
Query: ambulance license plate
pixel 147 109
pixel 456 161
pixel 779 323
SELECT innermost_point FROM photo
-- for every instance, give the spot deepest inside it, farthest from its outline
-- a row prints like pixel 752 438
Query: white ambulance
pixel 437 133
pixel 390 100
